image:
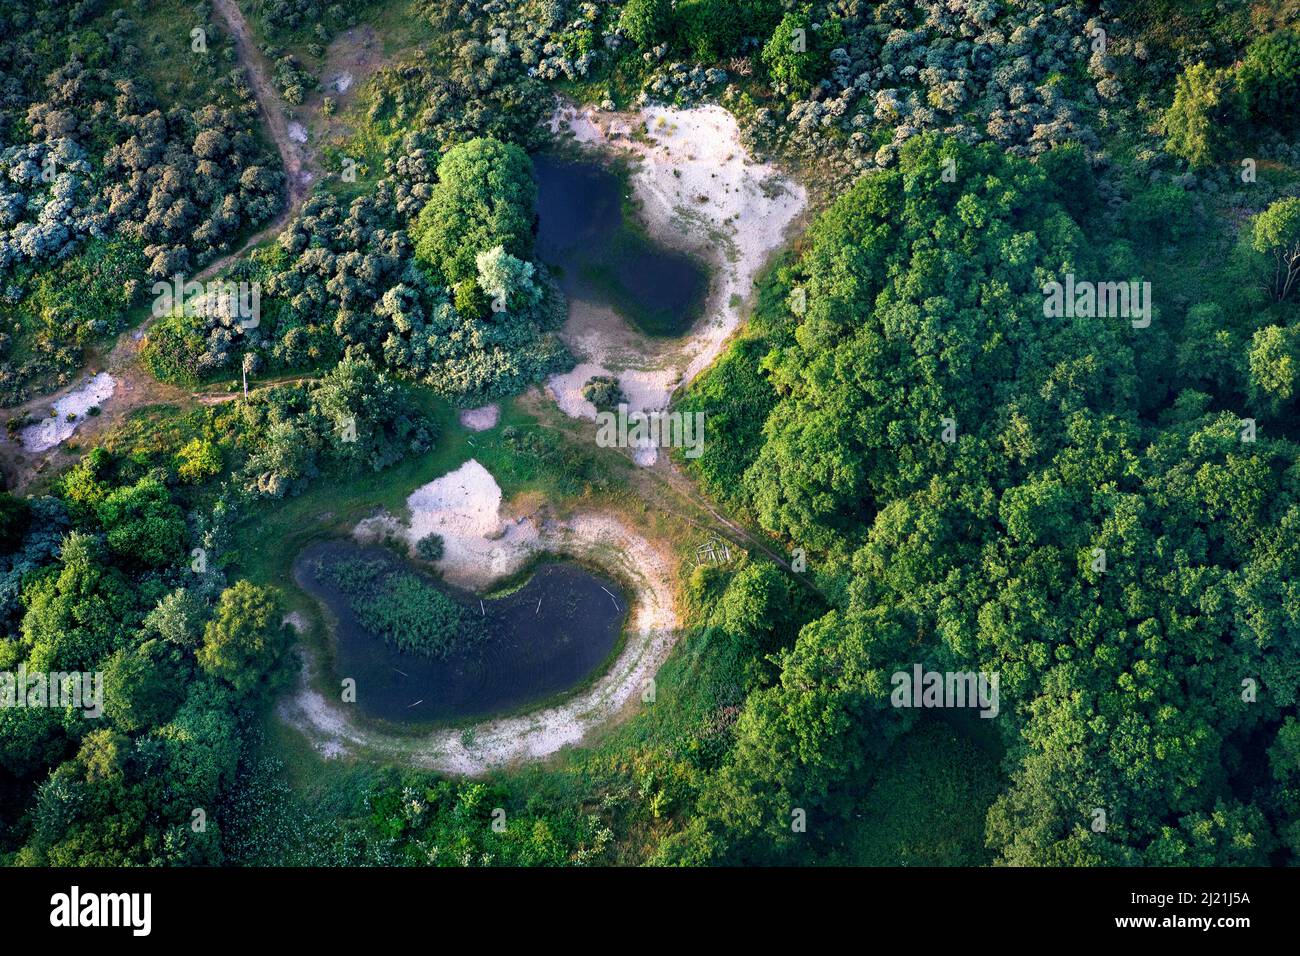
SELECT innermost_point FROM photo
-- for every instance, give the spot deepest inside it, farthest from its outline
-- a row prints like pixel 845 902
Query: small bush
pixel 430 547
pixel 603 392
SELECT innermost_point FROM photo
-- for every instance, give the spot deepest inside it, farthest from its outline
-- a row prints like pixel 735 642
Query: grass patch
pixel 180 75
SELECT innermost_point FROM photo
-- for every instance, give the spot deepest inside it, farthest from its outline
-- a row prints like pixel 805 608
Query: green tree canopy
pixel 243 642
pixel 1207 107
pixel 142 524
pixel 1270 78
pixel 485 197
pixel 1276 234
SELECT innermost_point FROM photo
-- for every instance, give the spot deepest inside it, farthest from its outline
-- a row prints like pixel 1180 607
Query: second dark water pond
pixel 583 231
pixel 529 653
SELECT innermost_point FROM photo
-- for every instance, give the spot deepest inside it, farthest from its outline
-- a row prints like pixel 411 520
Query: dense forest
pixel 942 469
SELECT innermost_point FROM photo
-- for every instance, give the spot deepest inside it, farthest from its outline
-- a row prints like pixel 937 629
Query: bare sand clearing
pixel 464 507
pixel 698 191
pixel 59 427
pixel 481 547
pixel 482 418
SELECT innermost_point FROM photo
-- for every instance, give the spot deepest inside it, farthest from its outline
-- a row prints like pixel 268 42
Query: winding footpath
pixel 297 172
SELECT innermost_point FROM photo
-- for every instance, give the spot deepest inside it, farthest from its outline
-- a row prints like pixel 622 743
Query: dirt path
pixel 670 477
pixel 299 172
pixel 259 70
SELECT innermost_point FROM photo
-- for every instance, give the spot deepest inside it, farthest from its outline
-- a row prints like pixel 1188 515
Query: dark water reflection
pixel 581 231
pixel 531 652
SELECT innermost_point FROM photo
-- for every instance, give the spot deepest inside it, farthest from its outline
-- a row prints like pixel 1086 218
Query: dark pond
pixel 582 233
pixel 529 652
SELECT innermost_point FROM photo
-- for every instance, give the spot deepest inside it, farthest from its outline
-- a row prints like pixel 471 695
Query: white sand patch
pixel 343 83
pixel 56 429
pixel 481 547
pixel 699 191
pixel 464 507
pixel 297 132
pixel 482 418
pixel 566 389
pixel 297 621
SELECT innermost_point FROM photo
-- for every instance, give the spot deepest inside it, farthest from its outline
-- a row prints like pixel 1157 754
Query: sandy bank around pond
pixel 481 547
pixel 699 191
